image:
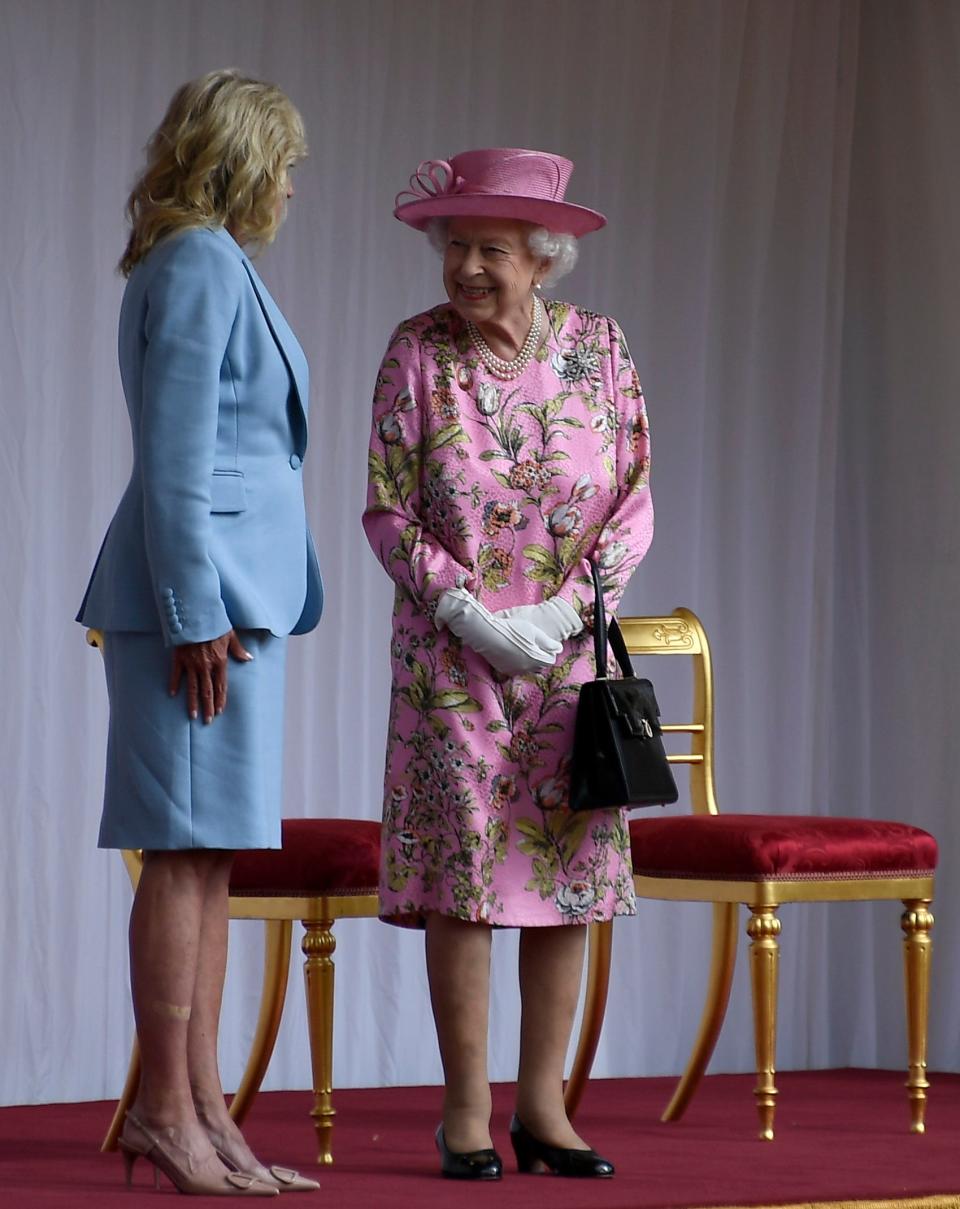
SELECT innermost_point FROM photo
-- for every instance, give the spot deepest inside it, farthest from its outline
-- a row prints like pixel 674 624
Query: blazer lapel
pixel 287 342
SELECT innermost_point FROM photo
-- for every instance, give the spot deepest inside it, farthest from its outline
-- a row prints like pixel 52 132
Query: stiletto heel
pixel 467 1164
pixel 160 1148
pixel 129 1158
pixel 534 1155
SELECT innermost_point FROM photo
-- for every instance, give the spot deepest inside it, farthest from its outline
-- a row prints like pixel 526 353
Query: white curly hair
pixel 559 249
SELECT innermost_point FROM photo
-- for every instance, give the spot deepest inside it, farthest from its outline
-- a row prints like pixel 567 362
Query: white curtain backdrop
pixel 782 179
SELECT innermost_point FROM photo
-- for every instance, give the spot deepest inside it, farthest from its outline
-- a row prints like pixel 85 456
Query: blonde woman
pixel 207 566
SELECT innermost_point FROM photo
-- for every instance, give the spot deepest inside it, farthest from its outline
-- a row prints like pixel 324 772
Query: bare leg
pixel 203 1067
pixel 166 924
pixel 204 1070
pixel 458 967
pixel 551 964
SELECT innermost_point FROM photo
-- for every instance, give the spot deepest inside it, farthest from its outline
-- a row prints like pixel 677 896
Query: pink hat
pixel 497 182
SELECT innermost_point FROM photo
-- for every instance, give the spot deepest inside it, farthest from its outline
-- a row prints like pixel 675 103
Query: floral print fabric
pixel 504 488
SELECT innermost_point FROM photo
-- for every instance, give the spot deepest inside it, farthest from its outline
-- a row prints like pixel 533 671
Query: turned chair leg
pixel 594 1009
pixel 722 964
pixel 763 928
pixel 277 934
pixel 318 947
pixel 127 1097
pixel 917 923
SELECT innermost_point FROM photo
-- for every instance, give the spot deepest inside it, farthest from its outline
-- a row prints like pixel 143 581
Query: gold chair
pixel 761 861
pixel 326 869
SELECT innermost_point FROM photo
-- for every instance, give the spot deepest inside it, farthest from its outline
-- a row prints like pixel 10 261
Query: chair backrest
pixel 681 633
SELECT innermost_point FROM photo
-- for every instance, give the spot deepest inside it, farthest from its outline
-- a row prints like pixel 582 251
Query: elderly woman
pixel 509 446
pixel 206 568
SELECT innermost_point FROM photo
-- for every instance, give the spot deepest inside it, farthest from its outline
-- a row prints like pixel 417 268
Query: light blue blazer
pixel 211 531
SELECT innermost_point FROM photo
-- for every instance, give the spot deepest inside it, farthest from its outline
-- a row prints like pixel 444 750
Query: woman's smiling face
pixel 489 271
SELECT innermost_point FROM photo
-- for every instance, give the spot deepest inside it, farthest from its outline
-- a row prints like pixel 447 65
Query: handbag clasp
pixel 635 724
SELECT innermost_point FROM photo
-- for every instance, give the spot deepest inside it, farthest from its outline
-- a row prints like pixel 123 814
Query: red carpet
pixel 841 1137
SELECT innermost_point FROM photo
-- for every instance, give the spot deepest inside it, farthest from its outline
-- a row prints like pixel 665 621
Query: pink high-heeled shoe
pixel 159 1147
pixel 282 1178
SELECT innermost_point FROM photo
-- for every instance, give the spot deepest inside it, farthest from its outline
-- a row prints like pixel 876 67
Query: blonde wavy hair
pixel 220 157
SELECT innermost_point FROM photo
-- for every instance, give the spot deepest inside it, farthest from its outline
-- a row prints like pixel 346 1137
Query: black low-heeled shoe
pixel 580 1163
pixel 468 1165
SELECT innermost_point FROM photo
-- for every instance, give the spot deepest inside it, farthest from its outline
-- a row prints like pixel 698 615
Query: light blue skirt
pixel 172 783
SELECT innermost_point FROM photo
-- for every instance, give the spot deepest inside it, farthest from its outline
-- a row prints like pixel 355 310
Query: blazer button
pixel 175 627
pixel 168 593
pixel 296 461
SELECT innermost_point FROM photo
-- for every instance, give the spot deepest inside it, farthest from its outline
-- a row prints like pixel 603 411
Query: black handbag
pixel 618 755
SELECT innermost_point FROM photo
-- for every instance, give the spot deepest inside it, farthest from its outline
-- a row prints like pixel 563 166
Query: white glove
pixel 554 617
pixel 511 647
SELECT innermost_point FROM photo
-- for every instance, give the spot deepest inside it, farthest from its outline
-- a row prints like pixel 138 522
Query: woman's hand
pixel 203 665
pixel 555 617
pixel 512 648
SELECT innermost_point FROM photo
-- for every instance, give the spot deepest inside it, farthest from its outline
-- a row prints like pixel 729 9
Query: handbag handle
pixel 602 633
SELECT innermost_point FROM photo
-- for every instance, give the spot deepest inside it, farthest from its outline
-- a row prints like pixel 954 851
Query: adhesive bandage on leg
pixel 172 1010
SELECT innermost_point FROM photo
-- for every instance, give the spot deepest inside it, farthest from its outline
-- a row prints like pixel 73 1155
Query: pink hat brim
pixel 563 217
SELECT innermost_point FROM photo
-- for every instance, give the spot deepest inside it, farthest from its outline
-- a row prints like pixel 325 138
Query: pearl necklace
pixel 497 365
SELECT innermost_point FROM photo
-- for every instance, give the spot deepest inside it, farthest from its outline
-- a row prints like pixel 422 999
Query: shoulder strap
pixel 619 646
pixel 601 633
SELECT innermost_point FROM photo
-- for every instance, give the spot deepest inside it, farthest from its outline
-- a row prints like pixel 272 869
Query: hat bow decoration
pixel 433 178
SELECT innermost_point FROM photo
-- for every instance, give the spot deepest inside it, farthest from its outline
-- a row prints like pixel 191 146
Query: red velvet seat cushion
pixel 319 856
pixel 755 847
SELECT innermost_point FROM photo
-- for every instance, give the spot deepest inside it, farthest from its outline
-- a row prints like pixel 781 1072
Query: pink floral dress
pixel 504 488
